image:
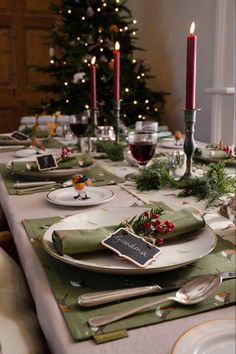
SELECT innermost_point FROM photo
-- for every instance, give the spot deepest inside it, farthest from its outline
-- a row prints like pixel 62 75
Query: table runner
pixel 100 176
pixel 68 282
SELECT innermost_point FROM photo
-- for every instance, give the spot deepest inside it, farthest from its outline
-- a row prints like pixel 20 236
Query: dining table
pixel 150 337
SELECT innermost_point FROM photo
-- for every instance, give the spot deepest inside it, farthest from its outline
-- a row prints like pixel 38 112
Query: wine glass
pixel 146 125
pixel 79 124
pixel 142 145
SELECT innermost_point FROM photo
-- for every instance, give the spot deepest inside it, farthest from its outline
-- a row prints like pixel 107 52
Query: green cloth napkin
pixel 68 282
pixel 80 241
pixel 215 154
pixel 70 162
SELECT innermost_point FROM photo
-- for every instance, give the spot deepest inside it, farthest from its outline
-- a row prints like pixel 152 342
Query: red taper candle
pixel 93 83
pixel 116 91
pixel 191 68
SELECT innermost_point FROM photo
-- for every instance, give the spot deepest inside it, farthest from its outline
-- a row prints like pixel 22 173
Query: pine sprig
pixel 156 176
pixel 211 186
pixel 112 150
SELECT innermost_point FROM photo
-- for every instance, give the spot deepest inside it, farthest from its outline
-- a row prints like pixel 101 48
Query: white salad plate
pixel 189 249
pixel 65 196
pixel 211 337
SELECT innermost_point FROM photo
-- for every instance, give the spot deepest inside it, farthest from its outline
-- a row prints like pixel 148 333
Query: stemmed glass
pixel 142 145
pixel 79 124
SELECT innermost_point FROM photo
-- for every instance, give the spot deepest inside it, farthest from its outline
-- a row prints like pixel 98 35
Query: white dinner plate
pixel 170 143
pixel 65 196
pixel 51 174
pixel 211 337
pixel 33 152
pixel 189 249
pixel 12 142
pixel 10 147
pixel 163 134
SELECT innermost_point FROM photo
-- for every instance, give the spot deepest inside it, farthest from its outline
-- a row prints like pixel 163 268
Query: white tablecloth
pixel 154 339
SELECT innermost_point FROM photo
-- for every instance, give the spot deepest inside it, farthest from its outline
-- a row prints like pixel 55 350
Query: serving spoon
pixel 193 292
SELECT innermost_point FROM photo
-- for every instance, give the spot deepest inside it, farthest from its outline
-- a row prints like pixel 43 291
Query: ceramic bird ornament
pixel 80 183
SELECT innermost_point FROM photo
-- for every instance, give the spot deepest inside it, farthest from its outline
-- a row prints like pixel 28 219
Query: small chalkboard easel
pixel 46 162
pixel 132 247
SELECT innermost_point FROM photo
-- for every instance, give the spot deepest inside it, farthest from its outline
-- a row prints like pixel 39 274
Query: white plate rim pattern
pixel 52 197
pixel 181 340
pixel 111 263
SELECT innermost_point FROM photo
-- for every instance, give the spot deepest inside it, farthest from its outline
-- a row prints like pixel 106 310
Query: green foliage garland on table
pixel 211 186
pixel 112 150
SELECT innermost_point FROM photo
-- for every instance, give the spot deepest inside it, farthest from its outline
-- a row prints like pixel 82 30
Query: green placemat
pixel 99 175
pixel 68 282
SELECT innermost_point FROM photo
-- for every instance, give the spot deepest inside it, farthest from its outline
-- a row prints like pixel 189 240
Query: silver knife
pixel 104 297
pixel 19 185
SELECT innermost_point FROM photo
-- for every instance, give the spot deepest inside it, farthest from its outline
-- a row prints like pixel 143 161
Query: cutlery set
pixel 192 290
pixel 28 187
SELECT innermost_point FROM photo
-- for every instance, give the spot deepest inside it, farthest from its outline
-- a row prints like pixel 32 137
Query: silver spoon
pixel 191 293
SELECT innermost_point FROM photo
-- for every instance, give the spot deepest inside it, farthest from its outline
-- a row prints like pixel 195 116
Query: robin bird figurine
pixel 79 183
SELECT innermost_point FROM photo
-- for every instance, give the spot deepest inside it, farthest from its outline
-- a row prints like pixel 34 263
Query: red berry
pixel 159 241
pixel 146 225
pixel 155 216
pixel 146 214
pixel 157 223
pixel 159 229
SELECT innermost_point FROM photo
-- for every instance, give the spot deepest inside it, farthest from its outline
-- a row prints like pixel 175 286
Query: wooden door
pixel 24 24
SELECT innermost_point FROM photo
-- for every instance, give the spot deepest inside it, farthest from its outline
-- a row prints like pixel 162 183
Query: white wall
pixel 162 29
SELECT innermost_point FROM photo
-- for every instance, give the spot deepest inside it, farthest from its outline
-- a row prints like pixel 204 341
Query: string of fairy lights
pixel 81 77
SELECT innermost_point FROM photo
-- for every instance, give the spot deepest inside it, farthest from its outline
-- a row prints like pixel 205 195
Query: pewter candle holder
pixel 189 142
pixel 94 119
pixel 116 113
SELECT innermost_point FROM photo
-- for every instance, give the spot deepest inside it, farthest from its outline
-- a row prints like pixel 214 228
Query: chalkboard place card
pixel 132 247
pixel 46 162
pixel 19 136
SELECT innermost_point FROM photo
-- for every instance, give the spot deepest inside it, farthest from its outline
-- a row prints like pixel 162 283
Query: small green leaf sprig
pixel 149 226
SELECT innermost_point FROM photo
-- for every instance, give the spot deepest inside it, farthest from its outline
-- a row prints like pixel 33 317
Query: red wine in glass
pixel 142 151
pixel 79 129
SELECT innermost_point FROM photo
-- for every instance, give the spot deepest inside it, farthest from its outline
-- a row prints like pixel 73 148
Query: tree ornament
pixel 90 11
pixel 113 28
pixel 103 59
pixel 110 65
pixel 78 77
pixel 51 52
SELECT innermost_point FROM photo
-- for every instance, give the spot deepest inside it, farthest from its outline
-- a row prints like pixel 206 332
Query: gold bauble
pixel 114 28
pixel 110 65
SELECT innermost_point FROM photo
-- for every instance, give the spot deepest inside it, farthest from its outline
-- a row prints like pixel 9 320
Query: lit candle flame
pixel 192 28
pixel 93 61
pixel 117 46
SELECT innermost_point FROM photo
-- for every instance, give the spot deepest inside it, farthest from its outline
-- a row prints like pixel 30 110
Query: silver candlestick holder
pixel 189 142
pixel 116 113
pixel 94 119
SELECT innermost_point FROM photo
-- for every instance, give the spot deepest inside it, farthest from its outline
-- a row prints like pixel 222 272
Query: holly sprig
pixel 149 226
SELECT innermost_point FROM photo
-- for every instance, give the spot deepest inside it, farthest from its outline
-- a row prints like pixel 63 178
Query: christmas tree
pixel 87 29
